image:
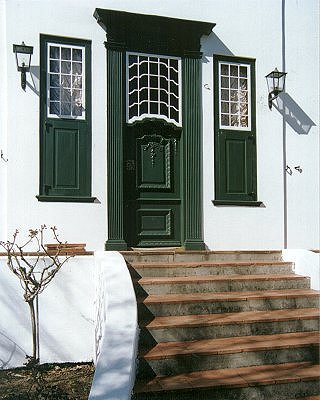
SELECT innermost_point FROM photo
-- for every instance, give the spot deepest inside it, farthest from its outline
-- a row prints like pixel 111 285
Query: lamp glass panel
pixel 23 59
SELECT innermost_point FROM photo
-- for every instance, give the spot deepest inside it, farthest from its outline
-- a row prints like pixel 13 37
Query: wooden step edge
pixel 232 345
pixel 226 296
pixel 233 378
pixel 216 278
pixel 243 317
pixel 308 398
pixel 181 251
pixel 213 264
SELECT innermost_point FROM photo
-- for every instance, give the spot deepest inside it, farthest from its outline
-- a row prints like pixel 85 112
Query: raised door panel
pixel 154 163
pixel 236 165
pixel 152 185
pixel 67 163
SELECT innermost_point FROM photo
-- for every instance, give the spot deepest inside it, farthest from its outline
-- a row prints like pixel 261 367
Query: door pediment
pixel 141 32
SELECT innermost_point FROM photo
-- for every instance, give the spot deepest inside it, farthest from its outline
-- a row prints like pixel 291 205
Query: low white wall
pixel 116 329
pixel 66 316
pixel 305 263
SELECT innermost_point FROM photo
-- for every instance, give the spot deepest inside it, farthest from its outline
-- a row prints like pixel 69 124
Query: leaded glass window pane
pixel 65 81
pixel 234 95
pixel 153 87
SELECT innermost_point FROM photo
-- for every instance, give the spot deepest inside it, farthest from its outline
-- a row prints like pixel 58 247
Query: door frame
pixel 161 35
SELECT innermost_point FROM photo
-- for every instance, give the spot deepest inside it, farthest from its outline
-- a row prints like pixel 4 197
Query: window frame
pixel 249 89
pixel 83 82
pixel 143 116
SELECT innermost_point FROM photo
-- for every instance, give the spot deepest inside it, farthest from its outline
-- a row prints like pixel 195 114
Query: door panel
pixel 152 184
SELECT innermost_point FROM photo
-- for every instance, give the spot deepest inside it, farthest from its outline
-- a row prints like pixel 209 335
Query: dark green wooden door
pixel 152 192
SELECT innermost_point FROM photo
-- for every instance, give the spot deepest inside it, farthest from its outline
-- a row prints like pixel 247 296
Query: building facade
pixel 147 124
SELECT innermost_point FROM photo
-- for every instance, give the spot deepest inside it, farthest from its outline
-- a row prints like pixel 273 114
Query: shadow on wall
pixel 293 114
pixel 213 45
pixel 34 85
pixel 11 350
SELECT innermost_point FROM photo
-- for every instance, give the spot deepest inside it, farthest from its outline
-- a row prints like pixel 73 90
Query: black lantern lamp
pixel 275 80
pixel 23 58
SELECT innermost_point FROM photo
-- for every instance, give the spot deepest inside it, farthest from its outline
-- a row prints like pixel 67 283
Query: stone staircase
pixel 224 325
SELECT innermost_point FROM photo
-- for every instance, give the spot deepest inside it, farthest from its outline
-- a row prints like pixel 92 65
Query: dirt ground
pixel 47 382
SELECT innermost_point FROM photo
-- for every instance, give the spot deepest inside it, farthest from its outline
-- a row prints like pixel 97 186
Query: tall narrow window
pixel 235 131
pixel 65 119
pixel 153 87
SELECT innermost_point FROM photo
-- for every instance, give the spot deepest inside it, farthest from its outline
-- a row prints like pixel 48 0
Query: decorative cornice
pixel 193 54
pixel 141 32
pixel 117 46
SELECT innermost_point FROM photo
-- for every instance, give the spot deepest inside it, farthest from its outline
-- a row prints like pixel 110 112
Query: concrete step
pixel 217 283
pixel 222 302
pixel 214 326
pixel 276 382
pixel 181 357
pixel 178 255
pixel 154 269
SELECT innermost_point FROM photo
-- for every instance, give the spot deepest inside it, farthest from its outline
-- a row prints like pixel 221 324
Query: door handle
pixel 130 165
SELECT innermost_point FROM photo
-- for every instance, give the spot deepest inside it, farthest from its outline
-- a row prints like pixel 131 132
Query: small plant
pixel 34 274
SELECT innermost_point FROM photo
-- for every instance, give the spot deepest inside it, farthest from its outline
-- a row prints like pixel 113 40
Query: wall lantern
pixel 23 58
pixel 275 81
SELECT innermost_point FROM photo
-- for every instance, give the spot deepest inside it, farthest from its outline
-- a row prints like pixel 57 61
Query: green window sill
pixel 237 203
pixel 65 199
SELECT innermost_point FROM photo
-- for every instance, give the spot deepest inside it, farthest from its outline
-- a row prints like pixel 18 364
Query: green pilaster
pixel 192 133
pixel 115 57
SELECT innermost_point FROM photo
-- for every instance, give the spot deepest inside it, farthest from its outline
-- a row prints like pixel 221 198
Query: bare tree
pixel 35 273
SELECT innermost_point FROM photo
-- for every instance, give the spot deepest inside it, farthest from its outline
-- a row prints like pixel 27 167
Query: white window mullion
pixel 154 66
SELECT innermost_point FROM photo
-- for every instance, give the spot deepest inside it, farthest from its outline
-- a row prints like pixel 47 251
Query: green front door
pixel 152 150
pixel 152 190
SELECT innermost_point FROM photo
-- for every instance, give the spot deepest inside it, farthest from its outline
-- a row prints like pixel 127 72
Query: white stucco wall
pixel 66 316
pixel 117 332
pixel 256 29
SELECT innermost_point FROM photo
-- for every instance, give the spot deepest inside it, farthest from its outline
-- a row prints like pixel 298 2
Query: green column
pixel 115 59
pixel 192 137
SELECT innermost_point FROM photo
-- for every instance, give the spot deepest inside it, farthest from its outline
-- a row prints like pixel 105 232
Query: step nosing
pixel 227 296
pixel 223 346
pixel 245 317
pixel 235 377
pixel 215 264
pixel 218 278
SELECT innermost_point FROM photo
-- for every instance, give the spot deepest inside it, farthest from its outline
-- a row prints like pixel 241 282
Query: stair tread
pixel 220 278
pixel 234 377
pixel 232 345
pixel 227 296
pixel 157 251
pixel 232 318
pixel 206 264
pixel 308 398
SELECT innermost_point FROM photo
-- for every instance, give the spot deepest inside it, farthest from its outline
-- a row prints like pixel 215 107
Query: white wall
pixel 251 29
pixel 117 330
pixel 79 222
pixel 306 263
pixel 302 109
pixel 3 122
pixel 66 316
